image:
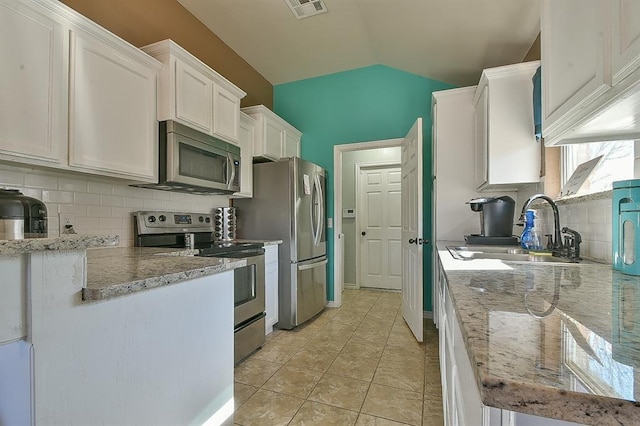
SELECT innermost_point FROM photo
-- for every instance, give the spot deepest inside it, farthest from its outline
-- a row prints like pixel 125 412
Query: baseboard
pixel 350 286
pixel 427 314
pixel 331 304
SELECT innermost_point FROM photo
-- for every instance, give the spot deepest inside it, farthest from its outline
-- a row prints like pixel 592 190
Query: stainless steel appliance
pixel 288 205
pixel 170 229
pixel 224 222
pixel 496 220
pixel 194 162
pixel 21 216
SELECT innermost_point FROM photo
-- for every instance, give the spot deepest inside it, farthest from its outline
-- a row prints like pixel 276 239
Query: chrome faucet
pixel 556 242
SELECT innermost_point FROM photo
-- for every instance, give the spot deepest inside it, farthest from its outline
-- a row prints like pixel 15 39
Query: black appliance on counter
pixel 195 231
pixel 21 216
pixel 496 221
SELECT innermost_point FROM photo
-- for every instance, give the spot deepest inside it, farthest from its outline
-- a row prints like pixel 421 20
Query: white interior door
pixel 411 169
pixel 380 227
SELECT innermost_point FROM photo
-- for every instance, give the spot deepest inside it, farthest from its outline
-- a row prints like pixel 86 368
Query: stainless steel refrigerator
pixel 288 204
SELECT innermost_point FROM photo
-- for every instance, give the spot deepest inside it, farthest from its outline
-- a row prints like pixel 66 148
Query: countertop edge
pixel 127 288
pixel 65 242
pixel 534 400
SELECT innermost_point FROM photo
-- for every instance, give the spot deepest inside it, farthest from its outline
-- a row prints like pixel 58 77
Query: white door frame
pixel 359 167
pixel 338 236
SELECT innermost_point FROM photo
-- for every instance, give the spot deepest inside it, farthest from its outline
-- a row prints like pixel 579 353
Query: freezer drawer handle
pixel 312 265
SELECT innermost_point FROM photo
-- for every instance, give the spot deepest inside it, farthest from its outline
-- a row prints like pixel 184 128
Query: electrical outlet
pixel 66 223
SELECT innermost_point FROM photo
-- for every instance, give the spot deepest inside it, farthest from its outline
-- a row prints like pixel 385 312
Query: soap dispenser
pixel 531 237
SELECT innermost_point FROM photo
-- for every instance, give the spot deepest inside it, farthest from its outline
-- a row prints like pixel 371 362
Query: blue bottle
pixel 527 240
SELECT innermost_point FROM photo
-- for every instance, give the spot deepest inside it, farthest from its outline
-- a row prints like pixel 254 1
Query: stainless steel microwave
pixel 194 162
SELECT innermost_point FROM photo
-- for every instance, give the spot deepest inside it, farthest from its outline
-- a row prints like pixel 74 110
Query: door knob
pixel 412 240
pixel 421 241
pixel 364 233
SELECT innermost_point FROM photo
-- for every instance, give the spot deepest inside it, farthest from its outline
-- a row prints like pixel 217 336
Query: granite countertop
pixel 113 272
pixel 65 242
pixel 552 340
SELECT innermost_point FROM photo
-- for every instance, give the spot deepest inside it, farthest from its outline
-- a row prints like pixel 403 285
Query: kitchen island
pixel 119 336
pixel 538 341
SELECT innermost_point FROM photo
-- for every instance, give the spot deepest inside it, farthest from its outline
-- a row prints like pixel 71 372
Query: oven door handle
pixel 312 265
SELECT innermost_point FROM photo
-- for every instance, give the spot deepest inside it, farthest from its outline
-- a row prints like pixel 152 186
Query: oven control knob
pixel 201 219
pixel 152 219
pixel 162 218
pixel 207 220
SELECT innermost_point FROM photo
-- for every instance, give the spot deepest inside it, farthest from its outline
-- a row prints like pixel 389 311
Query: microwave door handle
pixel 230 166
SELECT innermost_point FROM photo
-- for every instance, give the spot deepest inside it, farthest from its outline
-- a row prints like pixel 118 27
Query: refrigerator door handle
pixel 321 210
pixel 312 265
pixel 317 205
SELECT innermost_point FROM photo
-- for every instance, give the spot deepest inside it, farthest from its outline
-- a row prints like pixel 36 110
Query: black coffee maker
pixel 496 221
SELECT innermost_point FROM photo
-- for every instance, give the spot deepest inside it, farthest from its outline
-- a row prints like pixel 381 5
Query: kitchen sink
pixel 513 254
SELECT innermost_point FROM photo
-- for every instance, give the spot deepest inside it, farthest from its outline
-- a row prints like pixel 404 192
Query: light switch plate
pixel 329 222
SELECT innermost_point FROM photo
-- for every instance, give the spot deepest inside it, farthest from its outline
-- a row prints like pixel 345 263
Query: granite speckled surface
pixel 118 271
pixel 552 340
pixel 65 242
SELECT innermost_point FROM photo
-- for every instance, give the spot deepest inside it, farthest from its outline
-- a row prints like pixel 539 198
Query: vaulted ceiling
pixel 446 40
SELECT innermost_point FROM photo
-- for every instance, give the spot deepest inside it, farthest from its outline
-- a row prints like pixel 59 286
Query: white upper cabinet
pixel 275 138
pixel 33 84
pixel 194 98
pixel 193 94
pixel 73 95
pixel 112 125
pixel 246 135
pixel 590 70
pixel 226 112
pixel 507 154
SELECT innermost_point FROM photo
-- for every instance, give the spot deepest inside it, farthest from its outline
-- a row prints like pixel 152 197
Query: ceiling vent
pixel 306 8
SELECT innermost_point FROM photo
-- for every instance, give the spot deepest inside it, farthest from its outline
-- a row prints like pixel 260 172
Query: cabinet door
pixel 194 98
pixel 574 41
pixel 112 122
pixel 16 378
pixel 33 84
pixel 226 113
pixel 291 147
pixel 625 55
pixel 274 138
pixel 271 287
pixel 246 135
pixel 481 138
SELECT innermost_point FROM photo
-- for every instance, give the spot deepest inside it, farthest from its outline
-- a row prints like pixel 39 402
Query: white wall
pixel 100 206
pixel 349 192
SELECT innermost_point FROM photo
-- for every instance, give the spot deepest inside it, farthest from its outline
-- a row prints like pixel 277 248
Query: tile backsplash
pixel 98 205
pixel 591 218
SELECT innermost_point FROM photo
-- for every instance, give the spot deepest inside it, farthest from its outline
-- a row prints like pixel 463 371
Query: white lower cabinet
pixel 461 400
pixel 271 286
pixel 16 376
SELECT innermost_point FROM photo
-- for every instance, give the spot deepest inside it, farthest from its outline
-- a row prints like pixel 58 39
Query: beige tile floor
pixel 356 365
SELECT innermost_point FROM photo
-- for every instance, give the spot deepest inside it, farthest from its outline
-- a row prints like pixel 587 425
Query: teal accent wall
pixel 365 104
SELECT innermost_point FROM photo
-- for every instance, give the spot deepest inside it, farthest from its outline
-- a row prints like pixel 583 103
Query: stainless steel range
pixel 195 231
